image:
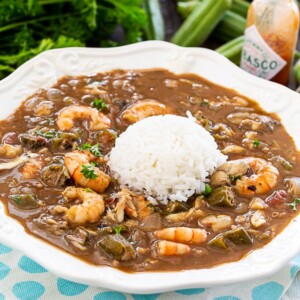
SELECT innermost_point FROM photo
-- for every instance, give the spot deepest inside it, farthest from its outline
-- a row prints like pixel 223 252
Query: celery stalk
pixel 233 50
pixel 201 22
pixel 185 8
pixel 296 70
pixel 240 7
pixel 231 26
pixel 155 28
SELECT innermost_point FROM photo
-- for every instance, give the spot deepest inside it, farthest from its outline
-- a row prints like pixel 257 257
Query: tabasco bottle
pixel 270 39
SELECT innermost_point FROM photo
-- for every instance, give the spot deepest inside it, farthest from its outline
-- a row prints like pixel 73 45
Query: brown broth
pixel 119 89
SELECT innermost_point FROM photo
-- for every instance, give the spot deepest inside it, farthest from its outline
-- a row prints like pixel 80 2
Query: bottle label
pixel 258 58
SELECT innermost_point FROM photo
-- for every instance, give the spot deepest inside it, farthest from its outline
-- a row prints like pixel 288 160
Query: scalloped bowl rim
pixel 44 70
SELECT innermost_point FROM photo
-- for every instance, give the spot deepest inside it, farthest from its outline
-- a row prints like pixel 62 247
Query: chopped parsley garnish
pixel 89 190
pixel 99 104
pixel 118 229
pixel 294 205
pixel 88 171
pixel 256 143
pixel 84 147
pixel 95 150
pixel 208 190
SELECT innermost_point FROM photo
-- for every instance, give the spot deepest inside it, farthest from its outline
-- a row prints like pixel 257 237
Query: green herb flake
pixel 294 205
pixel 95 150
pixel 99 104
pixel 256 143
pixel 118 229
pixel 88 172
pixel 89 190
pixel 85 146
pixel 208 190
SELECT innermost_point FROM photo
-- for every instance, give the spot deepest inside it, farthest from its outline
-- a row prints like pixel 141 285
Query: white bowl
pixel 45 69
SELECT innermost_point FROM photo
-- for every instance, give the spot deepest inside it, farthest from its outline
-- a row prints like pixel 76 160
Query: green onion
pixel 201 22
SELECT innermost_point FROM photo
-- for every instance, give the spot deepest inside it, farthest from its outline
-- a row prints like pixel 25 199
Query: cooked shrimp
pixel 75 162
pixel 182 234
pixel 144 109
pixel 67 117
pixel 167 248
pixel 10 151
pixel 70 193
pixel 264 179
pixel 89 211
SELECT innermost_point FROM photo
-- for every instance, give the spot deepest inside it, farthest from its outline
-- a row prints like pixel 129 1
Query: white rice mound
pixel 166 157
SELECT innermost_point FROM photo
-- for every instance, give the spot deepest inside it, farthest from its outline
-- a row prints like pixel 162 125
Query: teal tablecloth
pixel 22 278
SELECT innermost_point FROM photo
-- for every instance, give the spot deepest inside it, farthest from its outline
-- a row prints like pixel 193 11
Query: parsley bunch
pixel 28 27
